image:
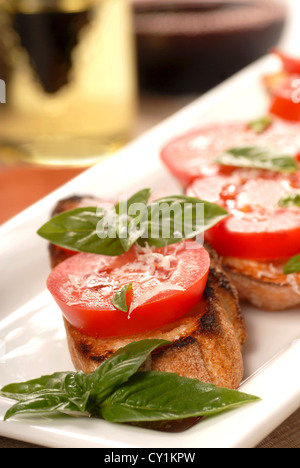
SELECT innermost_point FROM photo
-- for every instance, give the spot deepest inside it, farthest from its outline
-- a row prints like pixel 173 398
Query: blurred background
pixel 84 77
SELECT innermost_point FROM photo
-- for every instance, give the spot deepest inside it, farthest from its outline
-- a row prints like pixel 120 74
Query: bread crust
pixel 263 284
pixel 206 344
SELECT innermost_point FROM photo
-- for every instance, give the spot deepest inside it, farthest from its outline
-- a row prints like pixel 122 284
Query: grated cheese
pixel 93 280
pixel 148 260
pixel 292 281
pixel 143 298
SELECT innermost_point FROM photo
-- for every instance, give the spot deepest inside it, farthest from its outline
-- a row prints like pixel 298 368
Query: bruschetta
pixel 252 170
pixel 205 343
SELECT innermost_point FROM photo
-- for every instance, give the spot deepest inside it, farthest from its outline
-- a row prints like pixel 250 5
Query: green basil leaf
pixel 19 391
pixel 213 214
pixel 292 266
pixel 176 218
pixel 135 230
pixel 76 384
pixel 48 402
pixel 157 396
pixel 122 365
pixel 261 125
pixel 129 223
pixel 93 230
pixel 67 386
pixel 119 299
pixel 78 230
pixel 75 392
pixel 142 196
pixel 118 392
pixel 290 200
pixel 166 221
pixel 130 230
pixel 258 157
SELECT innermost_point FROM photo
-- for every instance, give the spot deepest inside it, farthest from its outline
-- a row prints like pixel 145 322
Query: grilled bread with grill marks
pixel 205 344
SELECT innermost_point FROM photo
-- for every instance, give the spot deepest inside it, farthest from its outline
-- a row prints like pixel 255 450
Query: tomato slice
pixel 192 155
pixel 290 64
pixel 285 101
pixel 167 284
pixel 285 95
pixel 257 228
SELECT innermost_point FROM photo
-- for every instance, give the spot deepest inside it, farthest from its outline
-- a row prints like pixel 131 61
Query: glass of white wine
pixel 69 69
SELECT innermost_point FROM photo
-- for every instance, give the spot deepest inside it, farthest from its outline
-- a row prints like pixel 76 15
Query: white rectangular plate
pixel 32 337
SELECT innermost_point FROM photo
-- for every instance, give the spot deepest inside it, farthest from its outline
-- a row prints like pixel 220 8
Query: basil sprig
pixel 183 218
pixel 258 157
pixel 292 266
pixel 119 391
pixel 158 396
pixel 261 125
pixel 163 222
pixel 293 199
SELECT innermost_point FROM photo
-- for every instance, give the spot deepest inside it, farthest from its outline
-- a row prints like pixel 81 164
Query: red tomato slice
pixel 258 227
pixel 192 155
pixel 167 284
pixel 285 102
pixel 290 64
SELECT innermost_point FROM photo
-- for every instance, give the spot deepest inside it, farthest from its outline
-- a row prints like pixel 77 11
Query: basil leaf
pixel 117 369
pixel 72 387
pixel 119 299
pixel 130 230
pixel 19 391
pixel 118 392
pixel 48 402
pixel 258 157
pixel 78 230
pixel 142 196
pixel 157 396
pixel 136 229
pixel 94 230
pixel 261 125
pixel 173 219
pixel 290 200
pixel 75 392
pixel 166 221
pixel 76 384
pixel 213 214
pixel 292 266
pixel 129 224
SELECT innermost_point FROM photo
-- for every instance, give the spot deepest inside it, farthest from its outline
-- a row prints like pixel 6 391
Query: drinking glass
pixel 69 71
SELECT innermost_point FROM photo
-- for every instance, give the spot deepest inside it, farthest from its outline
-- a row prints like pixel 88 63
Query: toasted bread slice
pixel 205 344
pixel 74 202
pixel 263 284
